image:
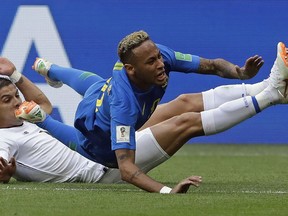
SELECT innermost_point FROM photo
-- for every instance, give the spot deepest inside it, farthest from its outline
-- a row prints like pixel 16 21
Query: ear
pixel 129 69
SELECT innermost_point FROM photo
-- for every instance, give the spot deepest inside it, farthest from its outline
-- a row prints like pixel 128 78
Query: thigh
pixel 149 153
pixel 183 103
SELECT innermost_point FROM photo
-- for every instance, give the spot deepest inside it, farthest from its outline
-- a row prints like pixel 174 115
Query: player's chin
pixel 18 121
pixel 161 82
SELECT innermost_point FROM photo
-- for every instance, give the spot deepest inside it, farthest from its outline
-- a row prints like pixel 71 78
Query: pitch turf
pixel 237 180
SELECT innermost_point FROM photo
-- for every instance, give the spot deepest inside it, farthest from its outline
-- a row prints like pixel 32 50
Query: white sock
pixel 269 96
pixel 213 98
pixel 233 112
pixel 227 115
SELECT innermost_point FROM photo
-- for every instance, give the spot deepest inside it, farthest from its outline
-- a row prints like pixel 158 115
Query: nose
pixel 160 63
pixel 17 102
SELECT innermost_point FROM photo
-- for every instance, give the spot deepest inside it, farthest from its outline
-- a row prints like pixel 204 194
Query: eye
pixel 6 99
pixel 151 62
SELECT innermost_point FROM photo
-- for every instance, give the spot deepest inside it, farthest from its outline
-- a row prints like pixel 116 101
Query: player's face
pixel 148 65
pixel 9 101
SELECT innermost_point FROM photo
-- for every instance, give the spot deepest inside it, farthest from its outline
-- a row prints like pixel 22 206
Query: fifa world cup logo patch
pixel 122 133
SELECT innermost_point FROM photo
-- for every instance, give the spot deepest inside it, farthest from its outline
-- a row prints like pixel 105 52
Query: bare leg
pixel 198 102
pixel 182 104
pixel 173 133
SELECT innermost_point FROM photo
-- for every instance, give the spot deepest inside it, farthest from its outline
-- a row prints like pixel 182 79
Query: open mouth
pixel 162 76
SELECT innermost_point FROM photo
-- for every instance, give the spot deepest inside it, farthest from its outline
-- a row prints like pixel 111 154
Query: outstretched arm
pixel 134 175
pixel 32 112
pixel 27 88
pixel 226 69
pixel 64 133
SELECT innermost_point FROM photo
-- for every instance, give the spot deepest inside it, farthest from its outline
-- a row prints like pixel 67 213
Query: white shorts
pixel 149 155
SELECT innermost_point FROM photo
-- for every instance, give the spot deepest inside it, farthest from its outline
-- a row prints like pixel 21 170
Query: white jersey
pixel 42 158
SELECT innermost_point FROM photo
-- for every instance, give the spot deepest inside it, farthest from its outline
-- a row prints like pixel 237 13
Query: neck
pixel 139 84
pixel 10 125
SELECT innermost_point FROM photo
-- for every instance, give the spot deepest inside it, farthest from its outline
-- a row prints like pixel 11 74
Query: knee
pixel 188 124
pixel 184 98
pixel 188 118
pixel 190 102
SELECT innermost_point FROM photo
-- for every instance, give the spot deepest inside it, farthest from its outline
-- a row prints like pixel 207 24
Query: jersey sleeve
pixel 64 133
pixel 123 119
pixel 179 62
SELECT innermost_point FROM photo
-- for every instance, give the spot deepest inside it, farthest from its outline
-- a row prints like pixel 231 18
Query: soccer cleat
pixel 279 73
pixel 31 112
pixel 42 66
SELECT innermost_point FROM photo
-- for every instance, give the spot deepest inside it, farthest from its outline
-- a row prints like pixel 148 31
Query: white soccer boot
pixel 278 78
pixel 42 66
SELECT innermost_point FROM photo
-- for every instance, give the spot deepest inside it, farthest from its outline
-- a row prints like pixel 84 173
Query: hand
pixel 251 67
pixel 184 185
pixel 7 170
pixel 6 67
pixel 31 112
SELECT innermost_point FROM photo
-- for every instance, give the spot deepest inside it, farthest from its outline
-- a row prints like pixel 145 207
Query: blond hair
pixel 128 43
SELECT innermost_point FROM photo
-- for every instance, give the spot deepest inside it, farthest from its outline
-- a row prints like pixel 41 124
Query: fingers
pixel 259 62
pixel 195 180
pixel 13 161
pixel 3 162
pixel 184 185
pixel 256 60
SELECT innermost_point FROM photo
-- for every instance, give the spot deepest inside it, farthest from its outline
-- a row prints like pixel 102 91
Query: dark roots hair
pixel 130 42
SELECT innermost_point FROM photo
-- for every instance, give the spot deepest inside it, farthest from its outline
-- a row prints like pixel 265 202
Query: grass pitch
pixel 237 180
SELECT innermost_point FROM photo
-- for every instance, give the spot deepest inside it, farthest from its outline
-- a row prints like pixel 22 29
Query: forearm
pixel 31 92
pixel 219 67
pixel 133 174
pixel 136 177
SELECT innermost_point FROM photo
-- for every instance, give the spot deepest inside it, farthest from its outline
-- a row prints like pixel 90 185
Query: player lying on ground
pixel 29 153
pixel 113 109
pixel 201 118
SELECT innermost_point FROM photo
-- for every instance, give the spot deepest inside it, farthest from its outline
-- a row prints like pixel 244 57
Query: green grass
pixel 237 180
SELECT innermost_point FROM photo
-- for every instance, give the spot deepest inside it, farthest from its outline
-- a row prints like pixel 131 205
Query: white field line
pixel 66 189
pixel 253 192
pixel 135 190
pixel 234 154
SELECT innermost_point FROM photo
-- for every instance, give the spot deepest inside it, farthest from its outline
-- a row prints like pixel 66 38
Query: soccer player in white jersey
pixel 29 153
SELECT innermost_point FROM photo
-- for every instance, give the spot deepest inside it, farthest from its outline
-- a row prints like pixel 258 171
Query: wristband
pixel 15 76
pixel 165 190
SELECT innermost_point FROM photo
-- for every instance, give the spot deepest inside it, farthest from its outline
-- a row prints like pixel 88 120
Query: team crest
pixel 122 134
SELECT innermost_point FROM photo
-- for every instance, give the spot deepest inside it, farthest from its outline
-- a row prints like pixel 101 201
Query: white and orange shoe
pixel 31 112
pixel 42 66
pixel 279 73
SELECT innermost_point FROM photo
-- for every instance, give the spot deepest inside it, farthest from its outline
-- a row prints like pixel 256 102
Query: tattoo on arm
pixel 123 157
pixel 206 66
pixel 137 173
